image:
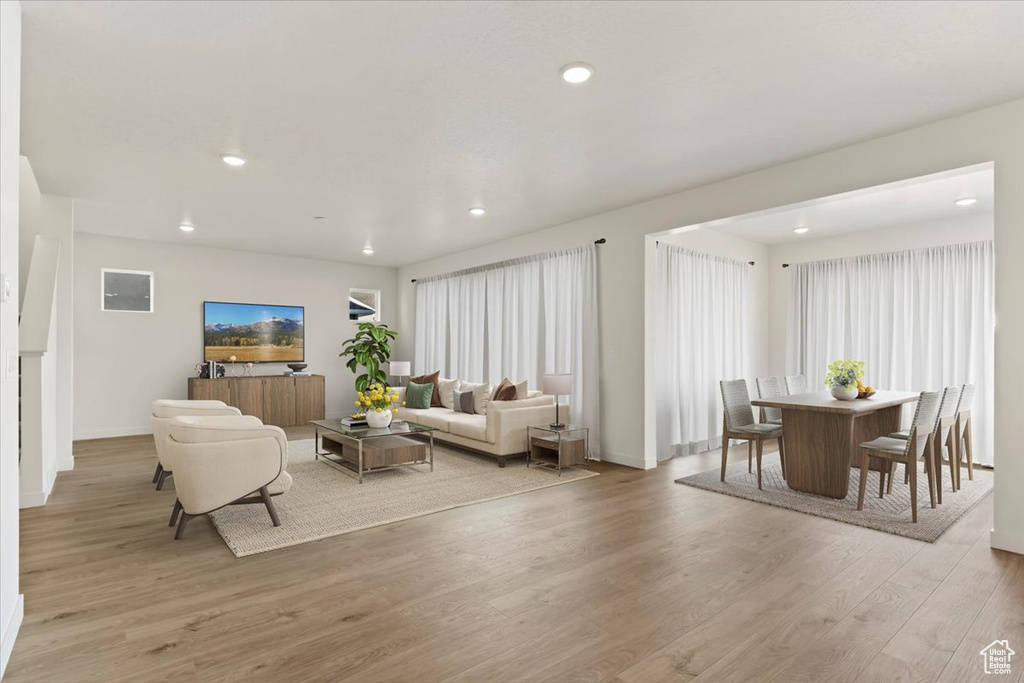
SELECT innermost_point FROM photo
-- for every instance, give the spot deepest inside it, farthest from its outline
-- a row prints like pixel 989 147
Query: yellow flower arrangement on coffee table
pixel 377 398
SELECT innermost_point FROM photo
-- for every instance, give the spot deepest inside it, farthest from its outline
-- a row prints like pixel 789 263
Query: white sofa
pixel 500 433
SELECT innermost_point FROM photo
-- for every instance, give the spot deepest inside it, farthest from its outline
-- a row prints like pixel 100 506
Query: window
pixel 126 290
pixel 364 305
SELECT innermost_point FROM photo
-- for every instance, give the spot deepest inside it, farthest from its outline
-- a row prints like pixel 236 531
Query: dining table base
pixel 820 446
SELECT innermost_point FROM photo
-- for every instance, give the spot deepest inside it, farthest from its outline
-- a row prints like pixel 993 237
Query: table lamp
pixel 399 369
pixel 558 385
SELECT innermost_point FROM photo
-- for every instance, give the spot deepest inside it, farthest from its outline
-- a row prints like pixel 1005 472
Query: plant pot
pixel 382 420
pixel 845 393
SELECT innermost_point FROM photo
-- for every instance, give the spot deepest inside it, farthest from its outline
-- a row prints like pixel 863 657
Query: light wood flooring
pixel 626 577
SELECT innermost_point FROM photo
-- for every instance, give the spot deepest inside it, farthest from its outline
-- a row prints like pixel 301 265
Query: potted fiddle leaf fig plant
pixel 370 349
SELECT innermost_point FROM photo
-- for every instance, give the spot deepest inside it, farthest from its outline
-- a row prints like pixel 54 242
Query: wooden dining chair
pixel 796 384
pixel 771 387
pixel 963 435
pixel 907 451
pixel 942 436
pixel 739 424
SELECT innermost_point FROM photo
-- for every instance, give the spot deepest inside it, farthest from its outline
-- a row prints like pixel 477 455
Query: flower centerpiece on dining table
pixel 844 378
pixel 379 403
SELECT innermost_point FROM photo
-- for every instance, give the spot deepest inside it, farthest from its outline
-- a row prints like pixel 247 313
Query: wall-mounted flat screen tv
pixel 253 333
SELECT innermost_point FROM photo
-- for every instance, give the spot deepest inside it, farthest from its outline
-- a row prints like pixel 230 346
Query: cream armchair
pixel 227 460
pixel 160 415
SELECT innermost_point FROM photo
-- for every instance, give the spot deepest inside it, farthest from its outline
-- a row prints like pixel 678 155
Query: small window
pixel 126 290
pixel 364 305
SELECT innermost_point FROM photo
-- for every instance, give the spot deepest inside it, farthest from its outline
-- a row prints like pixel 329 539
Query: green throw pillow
pixel 418 395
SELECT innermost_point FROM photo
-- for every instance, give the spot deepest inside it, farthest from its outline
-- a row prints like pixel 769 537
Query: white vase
pixel 845 393
pixel 380 420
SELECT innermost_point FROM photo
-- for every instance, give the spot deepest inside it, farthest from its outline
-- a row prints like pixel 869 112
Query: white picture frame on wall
pixel 363 305
pixel 127 291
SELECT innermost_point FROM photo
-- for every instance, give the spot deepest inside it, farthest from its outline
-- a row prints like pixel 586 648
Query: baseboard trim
pixel 32 499
pixel 110 433
pixel 11 629
pixel 1011 544
pixel 632 460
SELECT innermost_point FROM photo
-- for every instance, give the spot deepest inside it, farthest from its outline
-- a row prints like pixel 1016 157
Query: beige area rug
pixel 324 502
pixel 890 514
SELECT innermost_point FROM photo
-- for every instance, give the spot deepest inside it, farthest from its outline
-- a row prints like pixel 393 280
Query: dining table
pixel 822 435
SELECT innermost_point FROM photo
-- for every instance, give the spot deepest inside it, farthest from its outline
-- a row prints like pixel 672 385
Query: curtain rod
pixel 597 241
pixel 749 263
pixel 899 252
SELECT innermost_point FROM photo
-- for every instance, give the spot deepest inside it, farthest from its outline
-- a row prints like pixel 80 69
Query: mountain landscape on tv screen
pixel 275 339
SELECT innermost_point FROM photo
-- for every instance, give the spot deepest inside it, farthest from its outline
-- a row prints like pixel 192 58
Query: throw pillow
pixel 481 395
pixel 418 395
pixel 447 388
pixel 521 390
pixel 432 378
pixel 505 391
pixel 462 402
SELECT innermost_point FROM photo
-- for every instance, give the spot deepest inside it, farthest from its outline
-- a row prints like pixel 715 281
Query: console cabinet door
pixel 208 390
pixel 309 399
pixel 279 401
pixel 247 395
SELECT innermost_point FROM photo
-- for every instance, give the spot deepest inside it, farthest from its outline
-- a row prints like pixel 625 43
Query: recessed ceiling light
pixel 367 250
pixel 966 201
pixel 232 160
pixel 319 218
pixel 477 210
pixel 576 73
pixel 800 230
pixel 185 227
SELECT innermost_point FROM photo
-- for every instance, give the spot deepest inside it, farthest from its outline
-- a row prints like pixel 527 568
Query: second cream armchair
pixel 162 411
pixel 221 461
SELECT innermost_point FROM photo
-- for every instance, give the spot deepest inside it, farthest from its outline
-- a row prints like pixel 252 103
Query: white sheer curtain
pixel 514 310
pixel 431 347
pixel 570 331
pixel 467 326
pixel 700 340
pixel 519 319
pixel 920 320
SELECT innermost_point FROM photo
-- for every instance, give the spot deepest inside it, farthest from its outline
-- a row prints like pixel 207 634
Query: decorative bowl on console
pixel 297 367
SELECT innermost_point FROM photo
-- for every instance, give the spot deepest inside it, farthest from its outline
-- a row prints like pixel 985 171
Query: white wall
pixel 11 604
pixel 972 227
pixel 50 217
pixel 56 220
pixel 123 361
pixel 29 200
pixel 995 134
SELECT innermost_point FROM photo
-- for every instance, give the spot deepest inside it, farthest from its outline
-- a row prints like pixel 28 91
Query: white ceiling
pixel 908 202
pixel 392 119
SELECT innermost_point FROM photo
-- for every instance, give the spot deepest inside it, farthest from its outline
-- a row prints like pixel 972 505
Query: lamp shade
pixel 400 368
pixel 560 385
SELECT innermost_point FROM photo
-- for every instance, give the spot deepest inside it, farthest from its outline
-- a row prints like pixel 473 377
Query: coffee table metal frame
pixel 357 435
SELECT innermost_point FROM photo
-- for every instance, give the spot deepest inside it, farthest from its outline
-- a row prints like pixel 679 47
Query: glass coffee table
pixel 360 450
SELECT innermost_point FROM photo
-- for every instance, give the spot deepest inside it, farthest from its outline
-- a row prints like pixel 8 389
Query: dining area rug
pixel 325 502
pixel 891 514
